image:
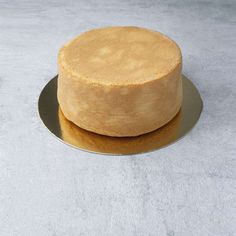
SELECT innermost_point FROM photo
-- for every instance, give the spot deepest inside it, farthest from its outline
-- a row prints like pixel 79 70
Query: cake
pixel 120 81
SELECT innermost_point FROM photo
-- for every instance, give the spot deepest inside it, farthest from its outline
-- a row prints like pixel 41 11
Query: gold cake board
pixel 69 133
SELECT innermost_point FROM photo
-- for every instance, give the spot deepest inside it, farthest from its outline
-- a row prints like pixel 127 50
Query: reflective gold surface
pixel 71 134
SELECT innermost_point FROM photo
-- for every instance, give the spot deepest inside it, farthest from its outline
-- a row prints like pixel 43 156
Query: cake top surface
pixel 120 55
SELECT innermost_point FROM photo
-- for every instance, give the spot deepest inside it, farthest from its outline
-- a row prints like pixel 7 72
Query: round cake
pixel 120 81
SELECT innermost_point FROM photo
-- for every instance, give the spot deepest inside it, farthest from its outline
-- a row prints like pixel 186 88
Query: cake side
pixel 120 110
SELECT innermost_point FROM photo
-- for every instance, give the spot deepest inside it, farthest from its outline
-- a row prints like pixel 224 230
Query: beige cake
pixel 120 81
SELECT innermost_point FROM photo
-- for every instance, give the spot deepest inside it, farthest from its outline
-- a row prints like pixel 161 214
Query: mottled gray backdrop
pixel 50 189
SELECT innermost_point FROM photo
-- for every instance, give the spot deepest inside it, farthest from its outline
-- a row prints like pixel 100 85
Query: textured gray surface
pixel 50 189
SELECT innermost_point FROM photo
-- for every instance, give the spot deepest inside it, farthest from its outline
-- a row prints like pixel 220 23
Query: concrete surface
pixel 50 189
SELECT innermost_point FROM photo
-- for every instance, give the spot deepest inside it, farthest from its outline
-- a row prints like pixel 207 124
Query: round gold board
pixel 69 133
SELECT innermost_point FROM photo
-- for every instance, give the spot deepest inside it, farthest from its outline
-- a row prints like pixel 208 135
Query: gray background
pixel 50 189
